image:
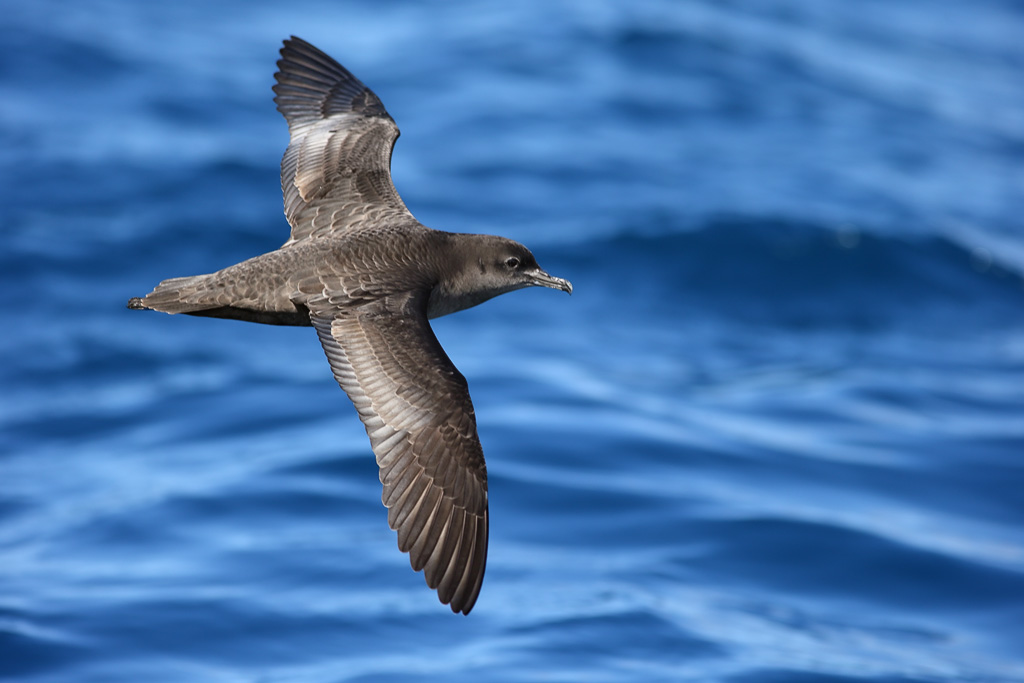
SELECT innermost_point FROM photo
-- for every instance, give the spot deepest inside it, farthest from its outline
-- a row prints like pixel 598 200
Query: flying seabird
pixel 368 276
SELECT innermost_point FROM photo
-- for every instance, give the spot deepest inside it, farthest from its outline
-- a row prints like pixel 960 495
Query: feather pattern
pixel 418 414
pixel 336 171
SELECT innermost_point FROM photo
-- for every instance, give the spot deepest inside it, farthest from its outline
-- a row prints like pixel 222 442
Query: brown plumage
pixel 367 276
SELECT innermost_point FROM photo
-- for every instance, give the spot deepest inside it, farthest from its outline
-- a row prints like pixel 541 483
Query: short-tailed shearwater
pixel 368 276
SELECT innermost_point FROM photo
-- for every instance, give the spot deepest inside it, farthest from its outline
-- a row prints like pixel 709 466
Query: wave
pixel 774 268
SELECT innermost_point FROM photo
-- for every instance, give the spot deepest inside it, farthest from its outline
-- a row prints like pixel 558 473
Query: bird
pixel 368 277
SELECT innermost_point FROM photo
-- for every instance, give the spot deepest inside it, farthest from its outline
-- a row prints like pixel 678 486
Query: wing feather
pixel 424 438
pixel 336 171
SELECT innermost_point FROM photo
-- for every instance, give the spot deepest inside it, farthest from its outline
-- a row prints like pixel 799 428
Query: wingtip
pixel 311 86
pixel 292 42
pixel 135 304
pixel 467 604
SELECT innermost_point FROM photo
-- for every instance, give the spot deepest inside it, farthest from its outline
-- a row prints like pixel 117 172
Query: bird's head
pixel 485 266
pixel 505 265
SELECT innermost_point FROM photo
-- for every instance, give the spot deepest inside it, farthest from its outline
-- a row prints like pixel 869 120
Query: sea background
pixel 776 434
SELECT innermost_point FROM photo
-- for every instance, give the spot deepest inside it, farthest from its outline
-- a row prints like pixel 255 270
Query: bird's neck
pixel 458 286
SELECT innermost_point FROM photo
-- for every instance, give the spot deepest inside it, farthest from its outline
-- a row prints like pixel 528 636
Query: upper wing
pixel 416 408
pixel 336 172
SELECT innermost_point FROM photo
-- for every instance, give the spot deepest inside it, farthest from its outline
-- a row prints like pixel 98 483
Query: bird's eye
pixel 512 262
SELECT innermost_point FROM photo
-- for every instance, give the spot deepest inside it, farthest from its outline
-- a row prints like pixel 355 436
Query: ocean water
pixel 776 434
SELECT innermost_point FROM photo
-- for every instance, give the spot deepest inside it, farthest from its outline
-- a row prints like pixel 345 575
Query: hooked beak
pixel 542 279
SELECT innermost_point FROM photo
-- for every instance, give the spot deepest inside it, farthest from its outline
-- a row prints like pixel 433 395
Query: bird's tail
pixel 233 293
pixel 177 295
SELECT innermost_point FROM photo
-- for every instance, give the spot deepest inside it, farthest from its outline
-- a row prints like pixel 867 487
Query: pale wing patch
pixel 336 172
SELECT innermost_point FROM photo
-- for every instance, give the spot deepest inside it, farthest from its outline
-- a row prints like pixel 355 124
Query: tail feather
pixel 221 295
pixel 177 295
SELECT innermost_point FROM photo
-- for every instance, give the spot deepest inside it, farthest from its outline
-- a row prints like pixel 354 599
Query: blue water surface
pixel 776 434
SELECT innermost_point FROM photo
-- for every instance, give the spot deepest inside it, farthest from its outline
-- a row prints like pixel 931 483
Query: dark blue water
pixel 776 434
